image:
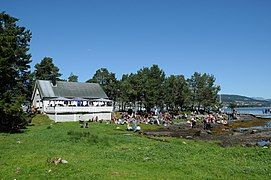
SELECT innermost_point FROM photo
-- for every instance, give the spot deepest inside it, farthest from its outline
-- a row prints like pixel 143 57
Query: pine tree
pixel 14 72
pixel 107 80
pixel 46 70
pixel 72 78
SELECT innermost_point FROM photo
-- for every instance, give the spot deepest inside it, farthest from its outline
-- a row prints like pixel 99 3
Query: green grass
pixel 106 151
pixel 40 119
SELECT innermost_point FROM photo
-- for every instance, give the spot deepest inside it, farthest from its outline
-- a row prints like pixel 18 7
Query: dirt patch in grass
pixel 118 174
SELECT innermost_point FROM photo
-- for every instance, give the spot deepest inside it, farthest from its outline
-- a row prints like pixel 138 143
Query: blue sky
pixel 230 39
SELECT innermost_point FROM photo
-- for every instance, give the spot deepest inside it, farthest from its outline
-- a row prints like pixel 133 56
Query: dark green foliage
pixel 144 87
pixel 12 117
pixel 127 91
pixel 30 86
pixel 46 70
pixel 108 82
pixel 73 78
pixel 232 106
pixel 176 92
pixel 14 72
pixel 149 86
pixel 204 91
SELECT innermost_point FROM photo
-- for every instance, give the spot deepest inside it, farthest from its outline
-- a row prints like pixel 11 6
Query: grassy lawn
pixel 106 151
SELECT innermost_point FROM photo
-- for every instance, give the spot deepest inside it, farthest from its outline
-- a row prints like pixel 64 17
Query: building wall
pixel 37 102
pixel 77 117
pixel 45 104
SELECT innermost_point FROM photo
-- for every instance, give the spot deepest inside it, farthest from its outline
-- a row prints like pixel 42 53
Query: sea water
pixel 251 110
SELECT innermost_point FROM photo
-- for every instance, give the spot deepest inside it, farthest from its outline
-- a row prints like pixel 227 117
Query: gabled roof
pixel 69 89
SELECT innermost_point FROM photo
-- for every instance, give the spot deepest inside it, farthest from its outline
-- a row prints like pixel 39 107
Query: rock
pixel 189 137
pixel 251 144
pixel 63 161
pixel 254 131
pixel 146 158
pixel 241 130
pixel 209 132
pixel 237 134
pixel 236 130
pixel 197 133
pixel 18 170
pixel 57 160
pixel 244 129
pixel 203 132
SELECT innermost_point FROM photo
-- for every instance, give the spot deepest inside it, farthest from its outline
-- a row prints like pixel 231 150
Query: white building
pixel 71 101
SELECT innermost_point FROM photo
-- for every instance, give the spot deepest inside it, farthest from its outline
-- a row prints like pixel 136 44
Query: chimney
pixel 53 78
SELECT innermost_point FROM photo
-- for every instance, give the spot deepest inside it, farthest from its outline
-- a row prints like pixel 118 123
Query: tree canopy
pixel 72 78
pixel 107 80
pixel 203 90
pixel 46 70
pixel 150 88
pixel 176 92
pixel 14 72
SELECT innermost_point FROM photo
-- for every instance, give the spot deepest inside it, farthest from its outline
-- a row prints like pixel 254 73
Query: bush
pixel 12 117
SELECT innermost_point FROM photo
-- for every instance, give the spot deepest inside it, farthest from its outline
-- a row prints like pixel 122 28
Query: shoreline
pixel 246 131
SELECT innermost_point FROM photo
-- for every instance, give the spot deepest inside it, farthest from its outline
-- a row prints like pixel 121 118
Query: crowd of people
pixel 133 120
pixel 207 120
pixel 266 111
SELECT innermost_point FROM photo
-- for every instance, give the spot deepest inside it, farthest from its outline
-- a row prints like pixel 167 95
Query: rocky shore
pixel 248 130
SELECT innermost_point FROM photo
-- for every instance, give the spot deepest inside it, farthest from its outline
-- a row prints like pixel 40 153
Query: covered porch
pixel 78 105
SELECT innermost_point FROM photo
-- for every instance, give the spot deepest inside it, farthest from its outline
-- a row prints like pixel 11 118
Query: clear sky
pixel 230 39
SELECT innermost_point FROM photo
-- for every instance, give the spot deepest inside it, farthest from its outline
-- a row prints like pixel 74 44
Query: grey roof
pixel 102 99
pixel 60 99
pixel 70 89
pixel 78 99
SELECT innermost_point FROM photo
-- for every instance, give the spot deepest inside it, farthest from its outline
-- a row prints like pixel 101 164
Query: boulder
pixel 209 132
pixel 63 161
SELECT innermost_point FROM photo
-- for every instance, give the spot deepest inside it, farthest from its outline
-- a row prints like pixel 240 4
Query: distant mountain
pixel 243 100
pixel 260 98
